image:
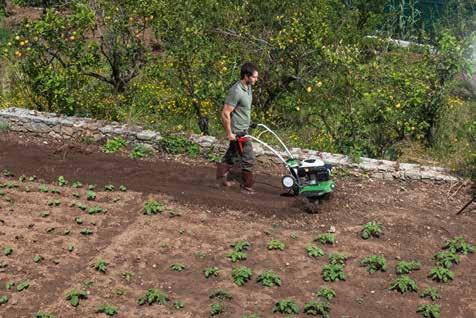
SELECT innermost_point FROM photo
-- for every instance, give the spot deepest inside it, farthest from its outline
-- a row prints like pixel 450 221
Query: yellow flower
pixel 17 38
pixel 319 84
pixel 309 89
pixel 397 106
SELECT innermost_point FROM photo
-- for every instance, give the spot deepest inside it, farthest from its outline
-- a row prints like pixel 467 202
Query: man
pixel 236 118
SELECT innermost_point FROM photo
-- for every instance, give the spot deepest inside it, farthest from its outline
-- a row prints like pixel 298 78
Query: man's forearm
pixel 226 121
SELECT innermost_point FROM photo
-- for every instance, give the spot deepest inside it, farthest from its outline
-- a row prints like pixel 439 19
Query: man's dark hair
pixel 247 69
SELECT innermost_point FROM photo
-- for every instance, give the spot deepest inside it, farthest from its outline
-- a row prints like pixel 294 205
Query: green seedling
pixel 241 275
pixel 108 310
pixel 315 308
pixel 459 245
pixel 235 256
pixel 44 214
pixel 441 274
pixel 211 271
pixel 37 258
pixel 11 185
pixel 276 245
pixel 86 231
pixel 50 229
pixel 333 272
pixel 7 250
pixel 9 285
pixel 326 238
pixel 96 210
pixel 122 188
pixel 101 266
pixel 326 293
pixel 429 310
pixel 43 189
pixel 74 296
pixel 404 284
pixel 253 315
pixel 314 251
pixel 404 267
pixel 374 263
pixel 7 173
pixel 78 220
pixel 3 299
pixel 54 203
pixel 221 294
pixel 90 195
pixel 128 276
pixel 430 292
pixel 41 314
pixel 286 306
pixel 216 309
pixel 77 184
pixel 81 206
pixel 109 187
pixel 62 181
pixel 178 304
pixel 22 286
pixel 178 267
pixel 114 145
pixel 22 178
pixel 32 178
pixel 337 258
pixel 70 248
pixel 153 207
pixel 92 187
pixel 446 259
pixel 269 278
pixel 241 246
pixel 152 296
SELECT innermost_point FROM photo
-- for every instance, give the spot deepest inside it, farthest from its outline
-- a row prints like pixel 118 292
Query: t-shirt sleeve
pixel 232 98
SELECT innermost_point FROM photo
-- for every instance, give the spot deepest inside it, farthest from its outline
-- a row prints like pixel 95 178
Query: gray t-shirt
pixel 240 97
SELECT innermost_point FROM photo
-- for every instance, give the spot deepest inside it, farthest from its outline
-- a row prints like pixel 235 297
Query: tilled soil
pixel 198 225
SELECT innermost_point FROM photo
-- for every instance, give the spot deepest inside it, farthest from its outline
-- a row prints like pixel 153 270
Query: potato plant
pixel 326 238
pixel 269 278
pixel 446 259
pixel 153 296
pixel 430 292
pixel 429 310
pixel 314 251
pixel 153 207
pixel 101 266
pixel 220 294
pixel 326 292
pixel 404 284
pixel 459 245
pixel 216 309
pixel 241 275
pixel 337 258
pixel 405 267
pixel 286 306
pixel 374 263
pixel 441 274
pixel 178 267
pixel 333 272
pixel 371 229
pixel 211 271
pixel 42 314
pixel 74 296
pixel 107 309
pixel 276 245
pixel 317 308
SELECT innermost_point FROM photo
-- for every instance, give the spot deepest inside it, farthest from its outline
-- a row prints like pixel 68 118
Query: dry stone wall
pixel 62 127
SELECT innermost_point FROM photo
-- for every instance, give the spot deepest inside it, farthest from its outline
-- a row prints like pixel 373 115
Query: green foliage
pixel 109 187
pixel 154 295
pixel 41 314
pixel 101 266
pixel 113 145
pixel 446 259
pixel 429 310
pixel 211 271
pixel 441 274
pixel 276 245
pixel 371 229
pixel 286 306
pixel 108 310
pixel 333 272
pixel 405 267
pixel 153 207
pixel 337 258
pixel 77 184
pixel 179 145
pixel 240 246
pixel 74 296
pixel 374 263
pixel 62 181
pixel 178 304
pixel 22 286
pixel 178 267
pixel 404 284
pixel 7 250
pixel 314 251
pixel 235 256
pixel 216 309
pixel 326 238
pixel 96 210
pixel 430 292
pixel 241 275
pixel 315 308
pixel 253 315
pixel 459 245
pixel 269 278
pixel 90 195
pixel 220 294
pixel 3 299
pixel 141 151
pixel 327 293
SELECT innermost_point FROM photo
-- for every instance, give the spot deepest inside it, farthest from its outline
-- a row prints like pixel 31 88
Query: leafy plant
pixel 221 295
pixel 114 145
pixel 62 181
pixel 78 220
pixel 108 310
pixel 55 191
pixel 70 248
pixel 314 251
pixel 178 267
pixel 141 151
pixel 269 278
pixel 333 272
pixel 41 314
pixel 216 309
pixel 128 276
pixel 286 306
pixel 177 145
pixel 446 259
pixel 154 295
pixel 43 189
pixel 253 315
pixel 459 245
pixel 211 271
pixel 153 207
pixel 23 285
pixel 101 266
pixel 9 285
pixel 109 187
pixel 122 188
pixel 86 231
pixel 7 250
pixel 44 214
pixel 326 238
pixel 235 256
pixel 374 263
pixel 315 308
pixel 441 274
pixel 326 292
pixel 54 203
pixel 37 258
pixel 429 310
pixel 178 304
pixel 3 299
pixel 241 275
pixel 337 258
pixel 90 195
pixel 77 184
pixel 75 295
pixel 276 245
pixel 404 267
pixel 241 246
pixel 7 173
pixel 371 229
pixel 96 210
pixel 404 284
pixel 430 292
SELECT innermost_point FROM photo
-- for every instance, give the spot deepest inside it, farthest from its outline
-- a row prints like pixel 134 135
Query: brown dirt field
pixel 417 217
